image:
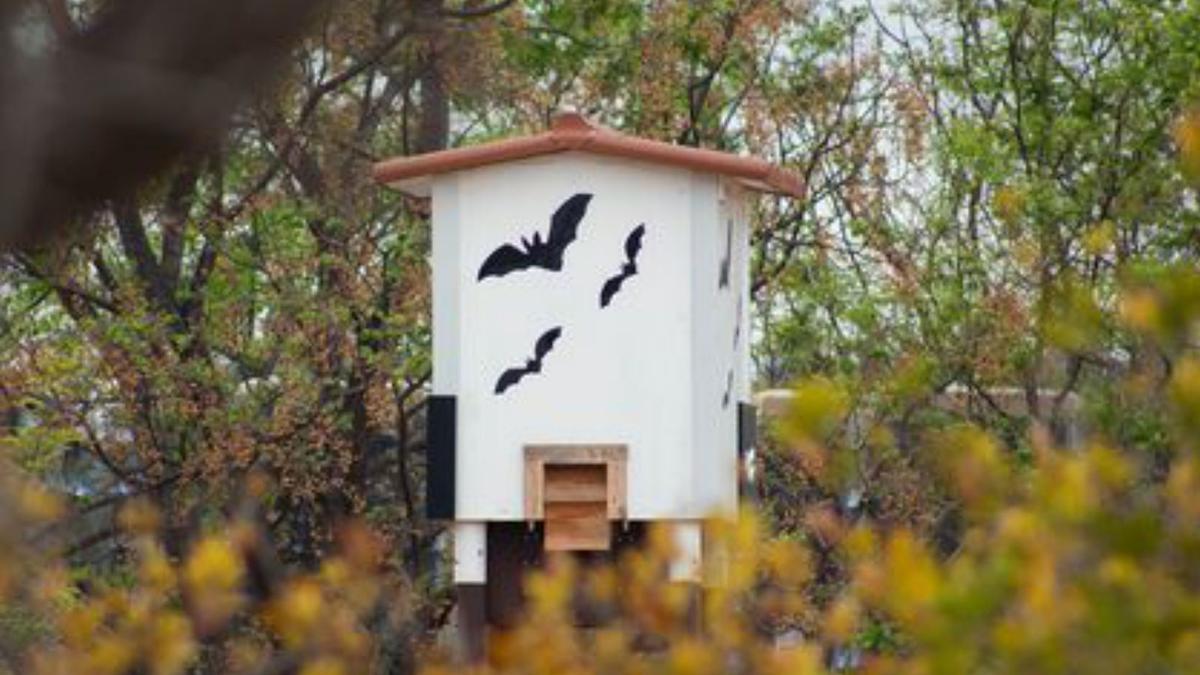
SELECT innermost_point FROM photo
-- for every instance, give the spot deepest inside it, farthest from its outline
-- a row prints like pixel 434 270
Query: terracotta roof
pixel 572 131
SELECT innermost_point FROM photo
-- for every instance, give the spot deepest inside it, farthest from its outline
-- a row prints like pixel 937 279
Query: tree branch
pixel 475 12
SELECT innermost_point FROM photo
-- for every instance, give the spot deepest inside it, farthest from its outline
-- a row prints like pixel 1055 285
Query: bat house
pixel 590 338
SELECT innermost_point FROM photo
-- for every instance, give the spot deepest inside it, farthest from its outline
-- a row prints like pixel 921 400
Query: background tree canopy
pixel 214 340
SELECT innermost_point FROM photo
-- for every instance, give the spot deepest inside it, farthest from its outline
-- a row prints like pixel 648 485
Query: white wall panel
pixel 717 286
pixel 616 375
pixel 470 553
pixel 447 275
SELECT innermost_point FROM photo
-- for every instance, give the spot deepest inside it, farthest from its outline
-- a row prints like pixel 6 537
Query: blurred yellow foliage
pixel 1099 239
pixel 297 612
pixel 213 565
pixel 1009 203
pixel 1187 138
pixel 1067 560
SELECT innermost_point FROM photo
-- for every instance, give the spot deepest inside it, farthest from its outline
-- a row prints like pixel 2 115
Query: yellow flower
pixel 1100 237
pixel 1185 389
pixel 1110 467
pixel 1120 571
pixel 692 657
pixel 1187 137
pixel 111 655
pixel 913 575
pixel 79 626
pixel 1069 489
pixel 859 543
pixel 841 620
pixel 802 660
pixel 1009 203
pixel 156 570
pixel 171 645
pixel 38 504
pixel 787 562
pixel 213 565
pixel 335 572
pixel 816 409
pixel 323 666
pixel 139 517
pixel 1183 490
pixel 297 612
pixel 1039 590
pixel 1140 310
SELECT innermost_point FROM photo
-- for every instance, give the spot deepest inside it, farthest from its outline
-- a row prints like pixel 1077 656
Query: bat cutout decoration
pixel 728 389
pixel 513 375
pixel 633 244
pixel 723 279
pixel 535 252
pixel 737 325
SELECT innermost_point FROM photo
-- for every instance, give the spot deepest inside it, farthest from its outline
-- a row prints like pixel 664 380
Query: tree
pixel 260 307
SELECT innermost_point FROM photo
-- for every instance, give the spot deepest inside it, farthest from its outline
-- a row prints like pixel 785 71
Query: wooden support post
pixel 470 579
pixel 472 622
pixel 686 566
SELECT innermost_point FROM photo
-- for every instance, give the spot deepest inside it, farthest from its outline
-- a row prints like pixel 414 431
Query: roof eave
pixel 411 174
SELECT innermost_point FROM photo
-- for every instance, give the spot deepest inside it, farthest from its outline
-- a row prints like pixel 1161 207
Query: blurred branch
pixel 66 289
pixel 60 18
pixel 118 101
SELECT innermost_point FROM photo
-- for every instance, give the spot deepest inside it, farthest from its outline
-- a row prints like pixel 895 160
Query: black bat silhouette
pixel 544 344
pixel 546 254
pixel 723 281
pixel 737 325
pixel 633 244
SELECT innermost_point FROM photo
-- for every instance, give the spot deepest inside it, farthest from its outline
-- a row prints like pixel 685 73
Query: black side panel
pixel 747 428
pixel 439 472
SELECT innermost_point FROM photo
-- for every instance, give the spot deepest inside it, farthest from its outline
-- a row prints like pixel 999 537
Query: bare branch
pixel 476 12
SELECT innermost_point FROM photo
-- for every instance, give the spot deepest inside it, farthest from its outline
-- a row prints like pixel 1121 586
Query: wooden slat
pixel 533 487
pixel 576 483
pixel 616 488
pixel 577 526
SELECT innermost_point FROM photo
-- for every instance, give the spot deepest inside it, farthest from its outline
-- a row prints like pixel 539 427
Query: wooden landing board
pixel 577 526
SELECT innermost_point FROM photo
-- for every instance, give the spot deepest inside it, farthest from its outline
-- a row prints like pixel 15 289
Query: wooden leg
pixel 472 622
pixel 695 607
pixel 688 549
pixel 470 580
pixel 686 569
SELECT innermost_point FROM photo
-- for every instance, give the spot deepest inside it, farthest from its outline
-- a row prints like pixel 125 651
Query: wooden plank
pixel 577 526
pixel 575 510
pixel 575 483
pixel 576 454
